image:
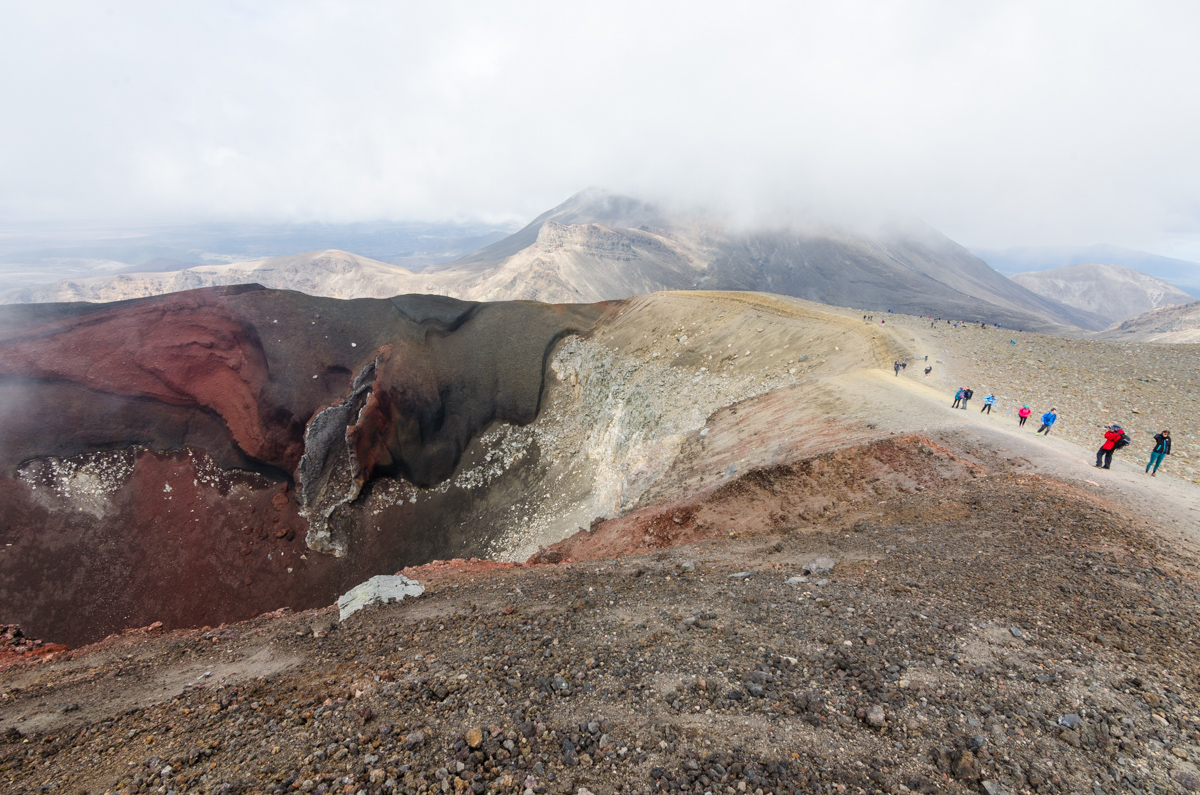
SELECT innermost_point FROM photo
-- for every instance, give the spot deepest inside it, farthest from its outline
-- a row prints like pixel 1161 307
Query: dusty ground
pixel 999 617
pixel 1142 386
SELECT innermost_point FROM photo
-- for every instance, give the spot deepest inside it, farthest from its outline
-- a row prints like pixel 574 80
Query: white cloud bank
pixel 1000 123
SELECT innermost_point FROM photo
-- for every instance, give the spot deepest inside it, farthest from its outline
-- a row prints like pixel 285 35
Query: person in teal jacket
pixel 1047 420
pixel 988 402
pixel 1162 449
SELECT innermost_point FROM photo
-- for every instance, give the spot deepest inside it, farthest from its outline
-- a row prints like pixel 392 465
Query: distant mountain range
pixel 328 274
pixel 37 255
pixel 1023 259
pixel 1111 291
pixel 598 246
pixel 1173 324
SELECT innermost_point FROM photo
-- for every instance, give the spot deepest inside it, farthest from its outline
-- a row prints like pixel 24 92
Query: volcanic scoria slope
pixel 732 551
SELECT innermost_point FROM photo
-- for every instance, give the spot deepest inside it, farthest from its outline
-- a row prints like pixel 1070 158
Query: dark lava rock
pixel 262 412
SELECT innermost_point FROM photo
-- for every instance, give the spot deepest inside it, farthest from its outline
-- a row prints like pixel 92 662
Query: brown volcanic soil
pixel 987 583
pixel 957 627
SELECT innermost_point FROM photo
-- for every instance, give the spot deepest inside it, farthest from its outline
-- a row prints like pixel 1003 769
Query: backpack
pixel 1122 442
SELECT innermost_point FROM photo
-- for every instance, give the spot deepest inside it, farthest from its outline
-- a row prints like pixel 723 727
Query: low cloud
pixel 1013 123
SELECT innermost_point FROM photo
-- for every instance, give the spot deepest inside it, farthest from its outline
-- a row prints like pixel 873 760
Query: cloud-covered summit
pixel 1016 123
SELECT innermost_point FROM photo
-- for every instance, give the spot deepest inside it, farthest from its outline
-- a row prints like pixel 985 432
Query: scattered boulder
pixel 381 588
pixel 821 565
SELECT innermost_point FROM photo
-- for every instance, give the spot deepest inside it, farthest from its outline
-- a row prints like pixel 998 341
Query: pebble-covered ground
pixel 1142 386
pixel 1002 634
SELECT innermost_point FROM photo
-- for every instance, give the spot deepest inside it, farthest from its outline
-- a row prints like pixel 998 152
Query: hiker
pixel 1113 435
pixel 896 367
pixel 904 364
pixel 957 398
pixel 1023 413
pixel 1047 420
pixel 1162 449
pixel 968 393
pixel 928 370
pixel 988 402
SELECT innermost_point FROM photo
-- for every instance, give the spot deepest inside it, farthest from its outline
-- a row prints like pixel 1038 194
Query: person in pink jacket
pixel 1023 413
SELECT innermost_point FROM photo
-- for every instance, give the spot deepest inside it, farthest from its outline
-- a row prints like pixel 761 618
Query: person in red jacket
pixel 1023 413
pixel 1112 435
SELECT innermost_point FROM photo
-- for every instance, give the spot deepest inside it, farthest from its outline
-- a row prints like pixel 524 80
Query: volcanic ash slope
pixel 1170 324
pixel 1110 291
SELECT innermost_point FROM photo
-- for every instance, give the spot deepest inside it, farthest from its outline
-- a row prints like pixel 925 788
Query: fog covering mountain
pixel 1171 324
pixel 1113 292
pixel 598 246
pixel 1184 274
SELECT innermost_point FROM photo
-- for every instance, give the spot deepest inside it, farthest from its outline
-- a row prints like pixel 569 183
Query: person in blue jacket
pixel 1047 420
pixel 988 402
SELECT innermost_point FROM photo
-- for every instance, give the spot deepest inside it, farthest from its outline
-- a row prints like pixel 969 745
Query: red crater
pixel 151 451
pixel 187 349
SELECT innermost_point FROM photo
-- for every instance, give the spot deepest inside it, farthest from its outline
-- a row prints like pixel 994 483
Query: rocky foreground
pixel 814 577
pixel 1005 633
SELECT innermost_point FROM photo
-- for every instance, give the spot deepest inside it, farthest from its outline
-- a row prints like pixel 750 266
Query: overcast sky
pixel 999 123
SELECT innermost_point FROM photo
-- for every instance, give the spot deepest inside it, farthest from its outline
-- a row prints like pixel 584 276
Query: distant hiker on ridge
pixel 928 370
pixel 968 393
pixel 988 402
pixel 1114 439
pixel 1047 420
pixel 1023 413
pixel 957 398
pixel 896 367
pixel 1162 449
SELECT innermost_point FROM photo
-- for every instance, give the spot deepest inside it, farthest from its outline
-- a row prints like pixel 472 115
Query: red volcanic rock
pixel 180 458
pixel 187 349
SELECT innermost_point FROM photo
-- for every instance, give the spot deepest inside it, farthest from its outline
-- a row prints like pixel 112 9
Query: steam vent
pixel 204 456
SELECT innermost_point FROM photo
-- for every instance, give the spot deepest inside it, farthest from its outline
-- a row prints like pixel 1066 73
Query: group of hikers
pixel 1115 437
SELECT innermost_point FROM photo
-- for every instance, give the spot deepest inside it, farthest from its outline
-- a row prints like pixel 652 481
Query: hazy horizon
pixel 1016 125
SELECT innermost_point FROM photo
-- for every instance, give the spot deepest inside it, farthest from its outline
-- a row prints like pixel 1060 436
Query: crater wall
pixel 178 458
